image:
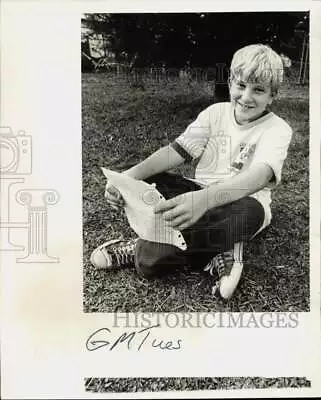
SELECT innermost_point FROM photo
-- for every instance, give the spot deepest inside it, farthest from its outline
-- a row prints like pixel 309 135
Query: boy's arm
pixel 184 210
pixel 240 185
pixel 161 160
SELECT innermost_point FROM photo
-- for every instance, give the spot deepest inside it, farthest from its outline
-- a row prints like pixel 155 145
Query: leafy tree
pixel 196 39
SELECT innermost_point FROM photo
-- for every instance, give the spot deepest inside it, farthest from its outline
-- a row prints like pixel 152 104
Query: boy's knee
pixel 146 259
pixel 155 259
pixel 146 271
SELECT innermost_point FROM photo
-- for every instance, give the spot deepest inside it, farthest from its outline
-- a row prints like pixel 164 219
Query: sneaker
pixel 114 254
pixel 228 266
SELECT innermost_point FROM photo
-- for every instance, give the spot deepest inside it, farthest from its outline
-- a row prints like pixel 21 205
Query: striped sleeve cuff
pixel 181 151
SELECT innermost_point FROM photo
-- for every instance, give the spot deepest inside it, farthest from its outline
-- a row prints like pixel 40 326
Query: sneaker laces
pixel 123 254
pixel 221 264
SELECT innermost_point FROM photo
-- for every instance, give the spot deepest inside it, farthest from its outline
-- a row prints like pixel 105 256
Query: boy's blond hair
pixel 258 63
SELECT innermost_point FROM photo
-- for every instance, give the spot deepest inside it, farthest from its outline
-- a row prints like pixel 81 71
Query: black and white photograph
pixel 204 117
pixel 160 202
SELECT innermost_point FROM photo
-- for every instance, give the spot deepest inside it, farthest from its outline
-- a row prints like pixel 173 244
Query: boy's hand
pixel 184 210
pixel 113 196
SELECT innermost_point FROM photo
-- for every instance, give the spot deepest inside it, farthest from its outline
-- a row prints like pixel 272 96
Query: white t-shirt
pixel 223 148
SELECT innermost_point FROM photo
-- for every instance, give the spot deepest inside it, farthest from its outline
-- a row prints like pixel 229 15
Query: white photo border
pixel 44 329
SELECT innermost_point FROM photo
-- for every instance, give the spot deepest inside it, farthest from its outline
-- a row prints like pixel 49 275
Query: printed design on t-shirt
pixel 246 151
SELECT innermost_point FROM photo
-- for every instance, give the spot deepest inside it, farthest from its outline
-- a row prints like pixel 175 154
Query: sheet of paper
pixel 140 199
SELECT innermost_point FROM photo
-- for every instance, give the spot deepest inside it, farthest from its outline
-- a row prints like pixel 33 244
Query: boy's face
pixel 250 99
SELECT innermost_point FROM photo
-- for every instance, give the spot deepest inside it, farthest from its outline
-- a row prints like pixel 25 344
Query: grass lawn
pixel 121 385
pixel 121 125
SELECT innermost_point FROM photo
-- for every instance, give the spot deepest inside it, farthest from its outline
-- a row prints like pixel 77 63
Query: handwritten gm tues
pixel 134 340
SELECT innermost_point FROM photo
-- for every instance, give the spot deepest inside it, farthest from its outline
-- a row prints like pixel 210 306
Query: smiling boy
pixel 239 147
